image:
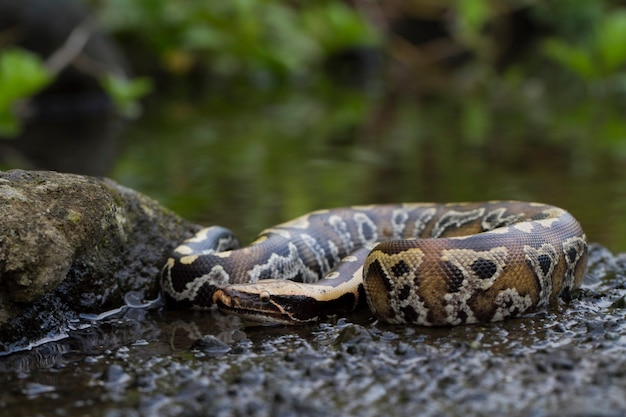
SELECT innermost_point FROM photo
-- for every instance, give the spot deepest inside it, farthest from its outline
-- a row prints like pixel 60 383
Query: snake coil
pixel 421 263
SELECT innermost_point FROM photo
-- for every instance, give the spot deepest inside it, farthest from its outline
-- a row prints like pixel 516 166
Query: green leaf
pixel 336 26
pixel 572 57
pixel 473 15
pixel 22 75
pixel 599 56
pixel 610 40
pixel 126 93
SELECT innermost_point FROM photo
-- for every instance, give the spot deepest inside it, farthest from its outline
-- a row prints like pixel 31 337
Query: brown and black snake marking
pixel 436 264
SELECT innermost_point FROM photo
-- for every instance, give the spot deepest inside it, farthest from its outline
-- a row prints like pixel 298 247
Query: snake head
pixel 269 302
pixel 282 302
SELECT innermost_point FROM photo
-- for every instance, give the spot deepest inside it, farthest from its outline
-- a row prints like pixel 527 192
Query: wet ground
pixel 150 361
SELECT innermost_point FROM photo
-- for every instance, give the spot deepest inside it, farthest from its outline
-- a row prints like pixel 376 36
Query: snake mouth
pixel 252 307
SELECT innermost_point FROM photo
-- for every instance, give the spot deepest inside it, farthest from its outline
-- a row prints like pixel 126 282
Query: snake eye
pixel 264 296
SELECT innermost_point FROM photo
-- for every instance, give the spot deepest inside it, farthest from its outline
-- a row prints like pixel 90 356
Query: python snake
pixel 421 263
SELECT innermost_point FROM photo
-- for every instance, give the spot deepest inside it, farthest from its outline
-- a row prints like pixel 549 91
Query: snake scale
pixel 422 263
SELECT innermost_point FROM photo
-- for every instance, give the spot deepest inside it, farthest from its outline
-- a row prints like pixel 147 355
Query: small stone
pixel 210 345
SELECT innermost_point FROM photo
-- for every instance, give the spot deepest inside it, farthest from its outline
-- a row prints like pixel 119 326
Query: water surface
pixel 248 161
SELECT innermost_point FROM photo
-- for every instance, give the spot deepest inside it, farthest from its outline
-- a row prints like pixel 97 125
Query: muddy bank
pixel 570 360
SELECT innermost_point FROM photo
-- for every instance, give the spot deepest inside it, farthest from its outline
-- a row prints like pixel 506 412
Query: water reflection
pixel 46 356
pixel 249 164
pixel 184 329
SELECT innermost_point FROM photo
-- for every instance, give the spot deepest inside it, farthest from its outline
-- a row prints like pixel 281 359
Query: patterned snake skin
pixel 431 264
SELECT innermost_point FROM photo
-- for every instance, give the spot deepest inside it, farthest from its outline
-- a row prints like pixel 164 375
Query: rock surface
pixel 72 244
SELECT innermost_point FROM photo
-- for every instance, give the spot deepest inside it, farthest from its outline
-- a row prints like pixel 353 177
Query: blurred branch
pixel 72 47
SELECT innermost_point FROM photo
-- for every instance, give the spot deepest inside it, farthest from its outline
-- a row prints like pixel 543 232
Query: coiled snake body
pixel 427 264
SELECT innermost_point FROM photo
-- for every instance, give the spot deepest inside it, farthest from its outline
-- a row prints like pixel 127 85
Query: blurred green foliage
pixel 257 38
pixel 126 93
pixel 562 73
pixel 22 75
pixel 598 56
pixel 567 74
pixel 570 84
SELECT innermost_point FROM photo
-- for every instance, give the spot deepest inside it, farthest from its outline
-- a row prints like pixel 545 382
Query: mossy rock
pixel 72 244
